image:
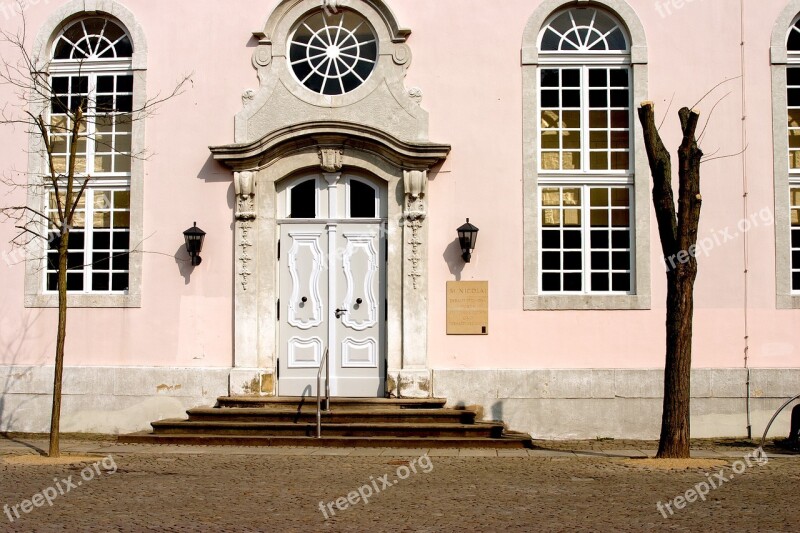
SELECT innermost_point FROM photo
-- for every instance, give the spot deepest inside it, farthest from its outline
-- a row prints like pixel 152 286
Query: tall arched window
pixel 785 59
pixel 581 179
pixel 95 62
pixel 91 70
pixel 793 112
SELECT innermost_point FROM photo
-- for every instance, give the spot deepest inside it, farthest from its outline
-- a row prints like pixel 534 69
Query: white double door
pixel 332 297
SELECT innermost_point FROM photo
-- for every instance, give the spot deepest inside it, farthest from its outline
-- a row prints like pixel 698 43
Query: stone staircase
pixel 351 422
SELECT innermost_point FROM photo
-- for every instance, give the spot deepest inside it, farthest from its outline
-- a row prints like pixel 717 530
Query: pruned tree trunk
pixel 678 234
pixel 61 335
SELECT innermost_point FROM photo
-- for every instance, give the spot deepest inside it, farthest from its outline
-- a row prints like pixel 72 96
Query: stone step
pixel 289 429
pixel 340 415
pixel 510 441
pixel 336 403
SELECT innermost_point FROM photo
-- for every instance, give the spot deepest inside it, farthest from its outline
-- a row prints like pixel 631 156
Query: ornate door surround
pixel 330 148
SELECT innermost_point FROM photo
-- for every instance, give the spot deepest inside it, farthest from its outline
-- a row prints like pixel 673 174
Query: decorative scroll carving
pixel 245 185
pixel 248 96
pixel 244 258
pixel 416 186
pixel 415 93
pixel 330 159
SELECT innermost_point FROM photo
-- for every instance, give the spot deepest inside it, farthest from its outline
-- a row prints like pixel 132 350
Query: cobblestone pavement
pixel 567 487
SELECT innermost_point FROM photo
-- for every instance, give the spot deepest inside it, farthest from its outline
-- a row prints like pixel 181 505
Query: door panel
pixel 359 279
pixel 360 268
pixel 305 259
pixel 304 331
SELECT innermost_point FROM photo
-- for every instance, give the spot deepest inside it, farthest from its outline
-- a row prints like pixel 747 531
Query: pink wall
pixel 467 61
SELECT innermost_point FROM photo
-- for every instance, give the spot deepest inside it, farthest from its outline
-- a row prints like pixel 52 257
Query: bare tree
pixel 678 234
pixel 64 183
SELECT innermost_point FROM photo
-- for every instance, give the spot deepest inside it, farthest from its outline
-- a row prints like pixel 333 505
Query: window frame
pixel 781 59
pixel 638 177
pixel 36 295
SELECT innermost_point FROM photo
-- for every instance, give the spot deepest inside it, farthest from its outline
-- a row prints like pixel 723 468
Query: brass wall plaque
pixel 467 307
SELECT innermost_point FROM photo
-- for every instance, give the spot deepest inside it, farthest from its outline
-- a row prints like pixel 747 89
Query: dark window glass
pixel 362 200
pixel 119 282
pixel 551 239
pixel 600 239
pixel 598 77
pixel 100 282
pixel 600 282
pixel 550 78
pixel 621 261
pixel 551 261
pixel 551 282
pixel 599 261
pixel 573 261
pixel 573 282
pixel 304 200
pixel 571 77
pixel 621 282
pixel 572 240
pixel 105 84
pixel 124 84
pixel 550 99
pixel 793 76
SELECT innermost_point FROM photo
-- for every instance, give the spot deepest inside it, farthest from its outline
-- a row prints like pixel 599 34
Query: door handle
pixel 359 301
pixel 340 312
pixel 304 299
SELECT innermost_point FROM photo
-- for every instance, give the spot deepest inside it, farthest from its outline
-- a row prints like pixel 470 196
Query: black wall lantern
pixel 194 237
pixel 467 235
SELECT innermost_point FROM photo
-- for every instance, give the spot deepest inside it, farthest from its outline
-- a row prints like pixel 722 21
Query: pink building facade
pixel 330 149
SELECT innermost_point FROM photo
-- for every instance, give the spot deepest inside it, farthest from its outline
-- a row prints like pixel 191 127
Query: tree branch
pixel 661 170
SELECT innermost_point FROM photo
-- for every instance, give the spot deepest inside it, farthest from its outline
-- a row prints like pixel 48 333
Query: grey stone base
pixel 548 404
pixel 588 404
pixel 108 400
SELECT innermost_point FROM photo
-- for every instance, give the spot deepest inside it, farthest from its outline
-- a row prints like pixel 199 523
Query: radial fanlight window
pixel 583 31
pixel 91 39
pixel 333 54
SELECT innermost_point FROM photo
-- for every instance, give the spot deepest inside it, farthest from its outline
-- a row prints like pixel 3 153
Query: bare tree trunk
pixel 678 233
pixel 55 416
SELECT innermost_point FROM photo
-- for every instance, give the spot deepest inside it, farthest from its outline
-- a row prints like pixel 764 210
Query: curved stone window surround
pixel 43 49
pixel 532 58
pixel 785 64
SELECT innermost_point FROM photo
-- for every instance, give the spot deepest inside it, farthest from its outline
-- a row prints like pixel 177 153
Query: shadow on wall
pixel 497 411
pixel 11 345
pixel 452 256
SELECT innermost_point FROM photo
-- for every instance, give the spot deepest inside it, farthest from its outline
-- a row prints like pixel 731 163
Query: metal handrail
pixel 782 407
pixel 327 364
